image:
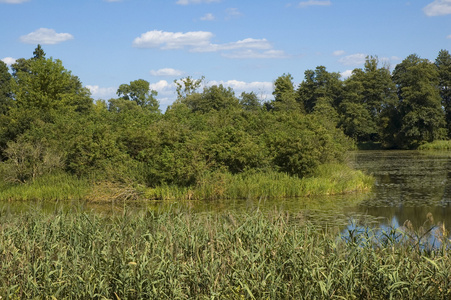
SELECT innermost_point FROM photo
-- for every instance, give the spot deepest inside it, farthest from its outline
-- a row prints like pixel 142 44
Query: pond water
pixel 408 186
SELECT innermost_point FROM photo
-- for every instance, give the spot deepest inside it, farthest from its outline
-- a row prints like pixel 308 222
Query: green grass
pixel 60 186
pixel 436 145
pixel 196 256
pixel 328 180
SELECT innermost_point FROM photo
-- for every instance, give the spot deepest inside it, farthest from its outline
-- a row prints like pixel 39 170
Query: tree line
pixel 50 123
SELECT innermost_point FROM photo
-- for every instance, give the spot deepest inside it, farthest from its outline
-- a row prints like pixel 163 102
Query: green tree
pixel 367 93
pixel 320 84
pixel 5 88
pixel 187 86
pixel 284 93
pixel 215 97
pixel 250 102
pixel 139 91
pixel 443 63
pixel 422 117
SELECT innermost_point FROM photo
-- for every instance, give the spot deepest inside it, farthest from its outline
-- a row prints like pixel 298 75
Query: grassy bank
pixel 185 256
pixel 436 145
pixel 328 179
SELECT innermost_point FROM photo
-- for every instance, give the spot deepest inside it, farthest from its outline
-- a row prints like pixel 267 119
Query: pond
pixel 408 186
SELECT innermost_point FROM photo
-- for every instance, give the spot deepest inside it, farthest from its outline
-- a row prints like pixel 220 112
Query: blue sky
pixel 242 44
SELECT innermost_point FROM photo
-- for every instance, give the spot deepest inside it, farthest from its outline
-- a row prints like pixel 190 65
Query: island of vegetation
pixel 57 143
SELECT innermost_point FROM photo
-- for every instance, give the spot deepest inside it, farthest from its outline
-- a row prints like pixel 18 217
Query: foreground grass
pixel 328 179
pixel 227 256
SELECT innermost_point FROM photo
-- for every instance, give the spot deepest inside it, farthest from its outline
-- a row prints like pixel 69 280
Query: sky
pixel 243 44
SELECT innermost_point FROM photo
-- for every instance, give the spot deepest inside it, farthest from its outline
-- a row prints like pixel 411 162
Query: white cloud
pixel 172 40
pixel 449 36
pixel 13 1
pixel 249 53
pixel 314 3
pixel 338 53
pixel 105 93
pixel 346 74
pixel 45 36
pixel 187 2
pixel 233 13
pixel 166 72
pixel 438 8
pixel 200 41
pixel 248 43
pixel 208 17
pixel 9 60
pixel 353 59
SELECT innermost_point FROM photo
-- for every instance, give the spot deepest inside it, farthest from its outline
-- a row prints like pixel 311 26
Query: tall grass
pixel 195 256
pixel 328 179
pixel 56 186
pixel 436 145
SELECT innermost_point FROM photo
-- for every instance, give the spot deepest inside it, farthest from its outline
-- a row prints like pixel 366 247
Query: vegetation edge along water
pixel 328 180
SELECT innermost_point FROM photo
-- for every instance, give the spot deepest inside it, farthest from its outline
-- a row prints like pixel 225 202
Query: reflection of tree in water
pixel 409 185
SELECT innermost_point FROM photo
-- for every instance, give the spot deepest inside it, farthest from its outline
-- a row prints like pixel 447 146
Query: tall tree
pixel 320 84
pixel 284 94
pixel 443 63
pixel 367 93
pixel 215 97
pixel 139 91
pixel 422 117
pixel 5 88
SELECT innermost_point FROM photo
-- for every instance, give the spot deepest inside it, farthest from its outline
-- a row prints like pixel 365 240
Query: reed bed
pixel 174 255
pixel 436 145
pixel 57 186
pixel 329 179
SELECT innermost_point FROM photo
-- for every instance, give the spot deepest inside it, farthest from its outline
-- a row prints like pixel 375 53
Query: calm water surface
pixel 408 186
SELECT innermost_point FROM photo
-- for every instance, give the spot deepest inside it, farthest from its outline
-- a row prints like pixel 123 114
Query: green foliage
pixel 319 84
pixel 443 63
pixel 139 92
pixel 28 160
pixel 422 117
pixel 5 89
pixel 216 97
pixel 174 255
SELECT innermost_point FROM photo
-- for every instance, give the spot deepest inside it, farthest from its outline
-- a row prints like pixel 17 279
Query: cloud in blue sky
pixel 187 2
pixel 208 17
pixel 200 41
pixel 45 36
pixel 314 3
pixel 13 1
pixel 438 8
pixel 9 60
pixel 166 72
pixel 357 59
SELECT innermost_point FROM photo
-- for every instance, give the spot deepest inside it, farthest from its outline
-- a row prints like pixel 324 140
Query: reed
pixel 436 145
pixel 56 186
pixel 327 180
pixel 175 255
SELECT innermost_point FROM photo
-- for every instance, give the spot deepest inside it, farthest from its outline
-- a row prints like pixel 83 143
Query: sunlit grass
pixel 173 255
pixel 59 186
pixel 436 145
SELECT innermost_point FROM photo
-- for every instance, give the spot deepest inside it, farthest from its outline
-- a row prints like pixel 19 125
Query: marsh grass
pixel 176 255
pixel 329 179
pixel 55 186
pixel 436 145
